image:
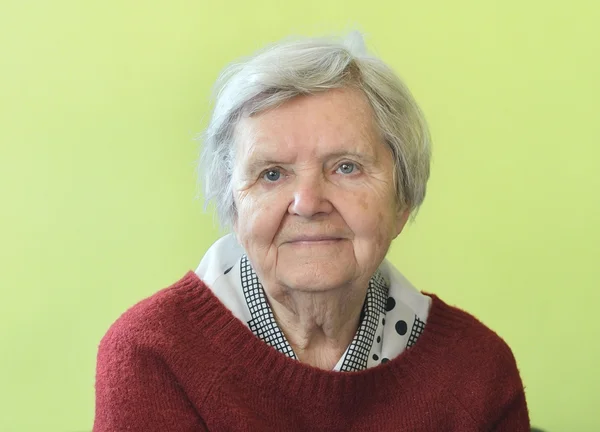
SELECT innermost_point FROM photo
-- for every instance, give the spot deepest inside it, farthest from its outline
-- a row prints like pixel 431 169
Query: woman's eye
pixel 272 175
pixel 346 168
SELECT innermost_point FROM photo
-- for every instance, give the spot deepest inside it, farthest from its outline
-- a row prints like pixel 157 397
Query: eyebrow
pixel 259 163
pixel 358 155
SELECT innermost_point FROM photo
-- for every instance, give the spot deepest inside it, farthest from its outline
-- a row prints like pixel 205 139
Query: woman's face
pixel 314 192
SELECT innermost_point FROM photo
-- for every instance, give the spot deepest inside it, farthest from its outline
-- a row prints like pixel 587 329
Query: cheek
pixel 385 228
pixel 368 214
pixel 359 201
pixel 258 218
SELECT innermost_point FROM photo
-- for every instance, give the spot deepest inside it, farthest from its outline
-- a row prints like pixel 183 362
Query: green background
pixel 99 105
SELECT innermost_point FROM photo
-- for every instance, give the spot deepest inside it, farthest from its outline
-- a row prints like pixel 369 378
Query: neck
pixel 318 325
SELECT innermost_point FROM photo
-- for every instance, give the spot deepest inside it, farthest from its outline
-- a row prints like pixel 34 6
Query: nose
pixel 309 197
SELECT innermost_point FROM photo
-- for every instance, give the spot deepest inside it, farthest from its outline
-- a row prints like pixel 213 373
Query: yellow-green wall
pixel 99 105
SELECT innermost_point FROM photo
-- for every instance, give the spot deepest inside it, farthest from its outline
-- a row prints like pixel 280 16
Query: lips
pixel 315 238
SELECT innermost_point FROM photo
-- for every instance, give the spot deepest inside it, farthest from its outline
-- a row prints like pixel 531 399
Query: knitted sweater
pixel 180 361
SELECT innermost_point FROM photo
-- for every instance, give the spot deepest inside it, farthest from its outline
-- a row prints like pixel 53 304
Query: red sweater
pixel 180 361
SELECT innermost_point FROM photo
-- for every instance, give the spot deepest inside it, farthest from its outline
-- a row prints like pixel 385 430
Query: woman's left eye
pixel 346 168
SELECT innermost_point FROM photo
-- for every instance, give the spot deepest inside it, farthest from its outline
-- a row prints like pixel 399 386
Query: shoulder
pixel 143 364
pixel 469 342
pixel 478 366
pixel 155 320
pixel 476 343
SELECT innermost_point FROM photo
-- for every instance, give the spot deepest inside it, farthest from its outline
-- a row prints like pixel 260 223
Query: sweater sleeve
pixel 136 391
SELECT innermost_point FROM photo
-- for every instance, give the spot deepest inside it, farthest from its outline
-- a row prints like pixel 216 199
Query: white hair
pixel 306 66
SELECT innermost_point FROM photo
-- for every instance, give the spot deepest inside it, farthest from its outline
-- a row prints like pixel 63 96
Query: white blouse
pixel 393 316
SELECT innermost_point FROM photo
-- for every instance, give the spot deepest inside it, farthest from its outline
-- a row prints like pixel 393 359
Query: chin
pixel 314 281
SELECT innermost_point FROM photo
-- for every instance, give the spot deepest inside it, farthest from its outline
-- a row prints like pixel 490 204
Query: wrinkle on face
pixel 305 138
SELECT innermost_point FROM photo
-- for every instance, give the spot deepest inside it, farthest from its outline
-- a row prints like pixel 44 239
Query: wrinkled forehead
pixel 311 127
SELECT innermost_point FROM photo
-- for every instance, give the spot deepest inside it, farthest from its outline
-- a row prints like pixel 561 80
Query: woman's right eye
pixel 272 175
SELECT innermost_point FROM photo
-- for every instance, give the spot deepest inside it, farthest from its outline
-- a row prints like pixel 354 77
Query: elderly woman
pixel 316 156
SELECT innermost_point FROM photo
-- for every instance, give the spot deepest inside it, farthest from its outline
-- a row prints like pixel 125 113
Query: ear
pixel 401 218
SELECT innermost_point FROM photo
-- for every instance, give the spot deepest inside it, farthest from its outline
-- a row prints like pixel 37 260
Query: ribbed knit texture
pixel 180 361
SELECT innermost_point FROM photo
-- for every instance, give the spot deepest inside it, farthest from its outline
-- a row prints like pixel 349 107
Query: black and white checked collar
pixel 263 324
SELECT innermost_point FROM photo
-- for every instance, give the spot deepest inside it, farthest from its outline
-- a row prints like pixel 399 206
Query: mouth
pixel 308 240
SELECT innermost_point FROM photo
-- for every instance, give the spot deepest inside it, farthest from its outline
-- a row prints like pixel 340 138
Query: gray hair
pixel 302 67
